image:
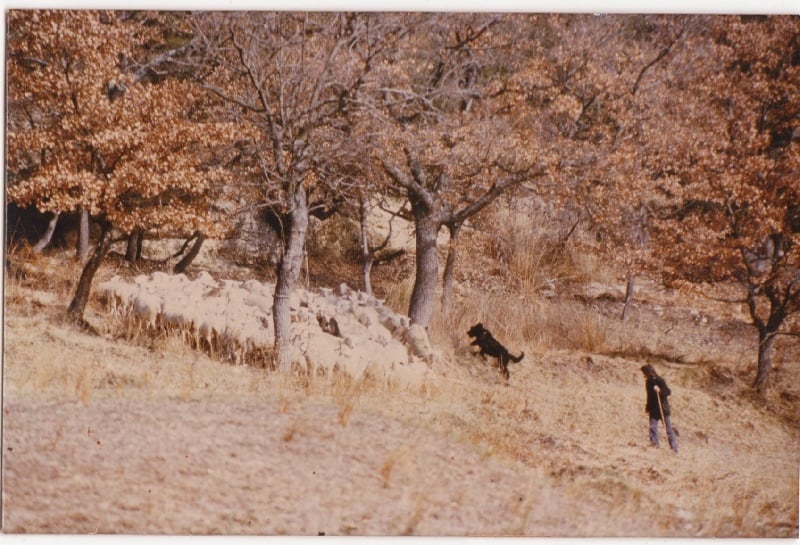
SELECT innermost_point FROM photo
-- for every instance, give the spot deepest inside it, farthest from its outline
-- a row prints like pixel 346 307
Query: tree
pixel 90 135
pixel 444 143
pixel 689 172
pixel 373 253
pixel 291 78
pixel 602 165
pixel 726 175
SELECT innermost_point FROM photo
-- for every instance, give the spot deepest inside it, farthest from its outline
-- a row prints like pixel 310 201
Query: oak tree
pixel 90 135
pixel 722 158
pixel 444 141
pixel 290 78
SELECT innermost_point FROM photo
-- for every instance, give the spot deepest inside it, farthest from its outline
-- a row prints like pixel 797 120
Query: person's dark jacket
pixel 652 400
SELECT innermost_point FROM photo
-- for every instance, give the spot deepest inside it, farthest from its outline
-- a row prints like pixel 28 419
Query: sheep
pixel 261 302
pixel 353 361
pixel 387 358
pixel 246 334
pixel 366 316
pixel 318 350
pixel 230 285
pixel 417 339
pixel 231 319
pixel 379 334
pixel 147 307
pixel 206 281
pixel 252 285
pixel 117 294
pixel 174 315
pixel 208 330
pixel 159 277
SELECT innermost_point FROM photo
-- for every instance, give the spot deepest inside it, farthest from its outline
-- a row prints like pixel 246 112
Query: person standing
pixel 658 405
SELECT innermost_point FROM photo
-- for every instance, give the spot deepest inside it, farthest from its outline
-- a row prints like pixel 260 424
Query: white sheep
pixel 147 308
pixel 417 339
pixel 353 361
pixel 319 350
pixel 232 319
pixel 117 294
pixel 262 302
pixel 209 328
pixel 175 316
pixel 205 280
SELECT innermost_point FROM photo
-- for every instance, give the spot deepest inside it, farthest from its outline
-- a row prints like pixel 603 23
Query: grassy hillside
pixel 147 435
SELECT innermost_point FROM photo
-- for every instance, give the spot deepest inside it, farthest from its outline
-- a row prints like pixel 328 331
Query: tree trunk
pixel 139 242
pixel 188 258
pixel 48 234
pixel 366 253
pixel 766 341
pixel 78 304
pixel 767 331
pixel 368 261
pixel 287 274
pixel 133 251
pixel 82 249
pixel 130 249
pixel 628 297
pixel 450 265
pixel 423 296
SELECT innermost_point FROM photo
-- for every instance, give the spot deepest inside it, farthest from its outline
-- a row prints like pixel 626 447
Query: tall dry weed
pixel 535 323
pixel 398 295
pixel 32 277
pixel 534 255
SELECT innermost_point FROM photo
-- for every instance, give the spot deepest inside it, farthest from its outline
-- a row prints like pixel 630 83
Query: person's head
pixel 649 371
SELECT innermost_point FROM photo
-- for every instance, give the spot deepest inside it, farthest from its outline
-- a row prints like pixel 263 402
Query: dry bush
pixel 53 272
pixel 528 257
pixel 335 238
pixel 534 323
pixel 398 295
pixel 531 253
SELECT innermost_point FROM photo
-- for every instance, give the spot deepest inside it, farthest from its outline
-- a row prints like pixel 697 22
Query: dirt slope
pixel 175 466
pixel 102 435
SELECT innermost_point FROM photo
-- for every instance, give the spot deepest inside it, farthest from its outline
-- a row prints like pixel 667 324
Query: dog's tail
pixel 518 358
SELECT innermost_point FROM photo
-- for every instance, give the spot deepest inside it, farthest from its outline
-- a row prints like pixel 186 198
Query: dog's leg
pixel 504 367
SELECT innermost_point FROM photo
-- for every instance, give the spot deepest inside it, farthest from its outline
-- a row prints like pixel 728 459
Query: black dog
pixel 491 347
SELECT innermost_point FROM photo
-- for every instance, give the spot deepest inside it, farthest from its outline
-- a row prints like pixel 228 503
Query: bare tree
pixel 445 142
pixel 290 80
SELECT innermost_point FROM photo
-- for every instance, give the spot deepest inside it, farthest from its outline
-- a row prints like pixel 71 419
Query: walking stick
pixel 661 409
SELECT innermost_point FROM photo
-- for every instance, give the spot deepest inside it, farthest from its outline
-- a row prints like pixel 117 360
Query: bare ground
pixel 103 435
pixel 188 467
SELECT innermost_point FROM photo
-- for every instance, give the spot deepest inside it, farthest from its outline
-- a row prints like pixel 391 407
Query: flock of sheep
pixel 344 330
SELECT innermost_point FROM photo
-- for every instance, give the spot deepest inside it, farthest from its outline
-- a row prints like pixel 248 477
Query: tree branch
pixel 663 53
pixel 495 191
pixel 411 185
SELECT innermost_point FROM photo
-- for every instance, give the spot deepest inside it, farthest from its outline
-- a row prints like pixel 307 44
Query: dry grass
pixel 533 255
pixel 561 449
